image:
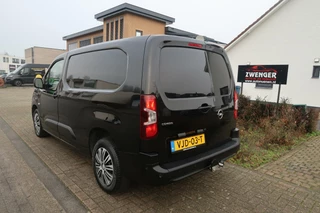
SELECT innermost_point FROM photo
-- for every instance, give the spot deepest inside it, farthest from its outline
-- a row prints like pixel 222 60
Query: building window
pixel 23 61
pixel 15 60
pixel 97 40
pixel 72 46
pixel 111 36
pixel 121 28
pixel 116 30
pixel 316 72
pixel 85 42
pixel 5 59
pixel 107 32
pixel 139 33
pixel 264 85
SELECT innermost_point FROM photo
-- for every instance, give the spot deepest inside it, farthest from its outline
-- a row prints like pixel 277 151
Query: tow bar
pixel 217 167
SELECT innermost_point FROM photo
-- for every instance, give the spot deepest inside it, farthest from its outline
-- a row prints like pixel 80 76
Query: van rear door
pixel 195 101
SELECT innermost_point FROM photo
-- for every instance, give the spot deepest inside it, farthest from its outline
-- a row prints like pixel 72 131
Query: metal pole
pixel 241 88
pixel 32 55
pixel 279 90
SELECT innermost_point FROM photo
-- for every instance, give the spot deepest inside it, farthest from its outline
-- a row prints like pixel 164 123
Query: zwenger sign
pixel 270 74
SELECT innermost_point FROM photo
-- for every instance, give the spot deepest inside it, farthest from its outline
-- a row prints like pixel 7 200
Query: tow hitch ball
pixel 215 167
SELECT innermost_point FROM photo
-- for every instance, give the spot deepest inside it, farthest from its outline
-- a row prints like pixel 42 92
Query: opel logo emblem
pixel 220 114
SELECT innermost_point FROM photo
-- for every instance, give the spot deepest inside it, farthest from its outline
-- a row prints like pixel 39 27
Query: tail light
pixel 148 116
pixel 236 105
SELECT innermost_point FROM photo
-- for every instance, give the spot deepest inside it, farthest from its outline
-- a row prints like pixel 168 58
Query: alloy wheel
pixel 104 166
pixel 36 121
pixel 18 83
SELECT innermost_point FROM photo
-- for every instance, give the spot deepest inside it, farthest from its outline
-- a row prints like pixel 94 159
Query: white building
pixel 289 33
pixel 9 63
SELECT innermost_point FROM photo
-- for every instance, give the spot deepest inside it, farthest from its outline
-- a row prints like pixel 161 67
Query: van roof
pixel 133 40
pixel 36 65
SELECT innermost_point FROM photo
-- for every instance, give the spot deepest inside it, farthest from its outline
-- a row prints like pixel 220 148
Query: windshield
pixel 16 71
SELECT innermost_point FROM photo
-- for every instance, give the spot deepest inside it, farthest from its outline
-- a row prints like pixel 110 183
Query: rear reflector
pixel 148 116
pixel 236 100
pixel 195 45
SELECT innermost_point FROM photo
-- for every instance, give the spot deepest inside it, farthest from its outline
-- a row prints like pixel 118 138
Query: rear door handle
pixel 205 109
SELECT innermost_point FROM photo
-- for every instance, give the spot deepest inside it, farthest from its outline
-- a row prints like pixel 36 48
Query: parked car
pixel 152 109
pixel 25 74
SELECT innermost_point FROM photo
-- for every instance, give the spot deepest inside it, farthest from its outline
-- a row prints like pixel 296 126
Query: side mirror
pixel 37 82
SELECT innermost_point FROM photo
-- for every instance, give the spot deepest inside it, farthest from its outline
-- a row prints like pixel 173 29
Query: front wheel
pixel 37 124
pixel 106 167
pixel 17 83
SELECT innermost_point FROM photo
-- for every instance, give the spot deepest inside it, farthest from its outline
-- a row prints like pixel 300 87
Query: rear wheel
pixel 106 167
pixel 17 83
pixel 37 124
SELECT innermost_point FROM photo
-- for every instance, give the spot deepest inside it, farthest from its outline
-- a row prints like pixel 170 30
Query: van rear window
pixel 191 73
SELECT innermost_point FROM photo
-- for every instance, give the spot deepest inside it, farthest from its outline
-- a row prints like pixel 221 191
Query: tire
pixel 37 124
pixel 113 181
pixel 17 83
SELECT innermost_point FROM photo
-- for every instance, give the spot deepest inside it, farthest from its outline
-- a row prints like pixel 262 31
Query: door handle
pixel 205 108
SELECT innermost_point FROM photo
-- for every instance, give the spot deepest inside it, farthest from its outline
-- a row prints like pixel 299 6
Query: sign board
pixel 265 74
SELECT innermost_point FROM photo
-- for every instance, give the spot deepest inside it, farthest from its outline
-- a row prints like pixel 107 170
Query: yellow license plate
pixel 184 144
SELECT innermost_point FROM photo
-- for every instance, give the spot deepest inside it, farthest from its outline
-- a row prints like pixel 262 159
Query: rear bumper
pixel 161 174
pixel 184 168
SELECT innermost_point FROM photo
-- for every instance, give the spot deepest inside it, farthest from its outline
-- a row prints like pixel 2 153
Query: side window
pixel 105 69
pixel 31 73
pixel 53 76
pixel 25 71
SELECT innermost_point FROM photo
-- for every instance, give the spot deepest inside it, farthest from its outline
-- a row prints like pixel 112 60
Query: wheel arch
pixel 34 107
pixel 94 135
pixel 17 79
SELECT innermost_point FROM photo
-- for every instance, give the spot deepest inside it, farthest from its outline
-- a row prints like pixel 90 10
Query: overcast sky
pixel 31 23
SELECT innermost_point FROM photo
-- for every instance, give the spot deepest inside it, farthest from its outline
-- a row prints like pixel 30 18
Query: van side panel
pixel 114 111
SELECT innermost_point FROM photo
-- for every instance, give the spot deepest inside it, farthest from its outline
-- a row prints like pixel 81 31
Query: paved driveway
pixel 301 166
pixel 232 189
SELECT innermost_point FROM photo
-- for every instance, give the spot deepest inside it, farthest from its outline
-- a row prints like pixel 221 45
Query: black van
pixel 153 109
pixel 25 74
